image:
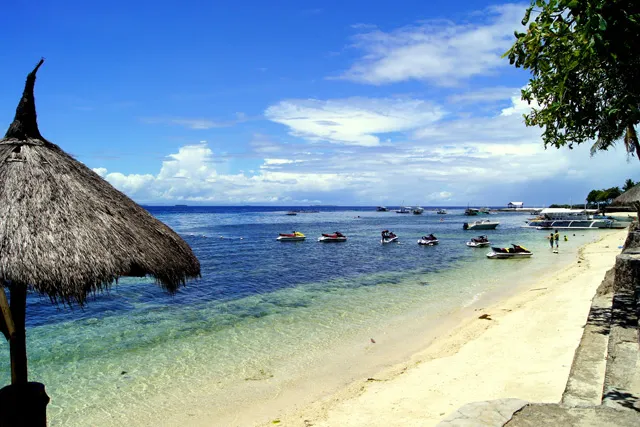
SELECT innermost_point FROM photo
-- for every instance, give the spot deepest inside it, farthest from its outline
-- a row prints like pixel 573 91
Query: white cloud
pixel 100 171
pixel 195 123
pixel 190 175
pixel 354 121
pixel 440 52
pixel 484 95
pixel 477 159
pixel 519 106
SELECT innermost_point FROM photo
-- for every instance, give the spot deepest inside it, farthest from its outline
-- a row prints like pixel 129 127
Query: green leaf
pixel 527 15
pixel 603 23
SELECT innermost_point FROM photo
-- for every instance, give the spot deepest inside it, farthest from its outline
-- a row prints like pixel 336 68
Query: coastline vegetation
pixel 599 199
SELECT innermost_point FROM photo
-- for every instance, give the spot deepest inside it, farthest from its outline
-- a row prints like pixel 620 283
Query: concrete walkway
pixel 518 413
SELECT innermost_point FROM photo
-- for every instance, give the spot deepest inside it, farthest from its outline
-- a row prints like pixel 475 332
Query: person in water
pixel 551 240
pixel 556 237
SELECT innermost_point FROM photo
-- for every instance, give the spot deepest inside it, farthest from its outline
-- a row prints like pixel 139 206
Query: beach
pixel 523 348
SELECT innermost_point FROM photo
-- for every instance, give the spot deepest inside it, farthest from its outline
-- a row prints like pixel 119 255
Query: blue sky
pixel 283 102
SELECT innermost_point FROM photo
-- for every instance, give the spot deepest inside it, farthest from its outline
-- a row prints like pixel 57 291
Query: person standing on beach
pixel 556 237
pixel 551 240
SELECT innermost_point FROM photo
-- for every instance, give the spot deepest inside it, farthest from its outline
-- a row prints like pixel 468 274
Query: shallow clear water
pixel 263 309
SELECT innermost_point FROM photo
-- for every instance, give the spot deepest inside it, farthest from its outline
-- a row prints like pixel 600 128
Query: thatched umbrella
pixel 65 232
pixel 631 198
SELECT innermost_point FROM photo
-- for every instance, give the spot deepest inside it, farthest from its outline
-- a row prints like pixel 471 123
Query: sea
pixel 270 319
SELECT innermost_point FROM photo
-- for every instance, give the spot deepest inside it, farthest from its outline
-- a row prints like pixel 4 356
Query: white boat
pixel 429 240
pixel 562 218
pixel 516 251
pixel 479 242
pixel 296 236
pixel 404 210
pixel 441 211
pixel 484 224
pixel 333 237
pixel 382 209
pixel 417 211
pixel 388 237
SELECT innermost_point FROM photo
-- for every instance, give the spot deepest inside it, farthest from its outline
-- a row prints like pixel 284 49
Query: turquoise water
pixel 264 313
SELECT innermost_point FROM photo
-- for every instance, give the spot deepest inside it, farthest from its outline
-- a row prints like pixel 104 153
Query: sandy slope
pixel 523 350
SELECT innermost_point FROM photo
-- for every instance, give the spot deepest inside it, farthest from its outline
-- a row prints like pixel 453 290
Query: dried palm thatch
pixel 628 197
pixel 65 231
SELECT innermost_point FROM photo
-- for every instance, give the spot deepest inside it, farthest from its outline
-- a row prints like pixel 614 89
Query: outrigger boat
pixel 335 237
pixel 516 251
pixel 388 237
pixel 296 236
pixel 478 242
pixel 429 240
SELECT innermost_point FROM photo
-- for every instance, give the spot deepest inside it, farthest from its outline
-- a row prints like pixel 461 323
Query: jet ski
pixel 388 237
pixel 516 251
pixel 429 240
pixel 296 236
pixel 478 242
pixel 335 237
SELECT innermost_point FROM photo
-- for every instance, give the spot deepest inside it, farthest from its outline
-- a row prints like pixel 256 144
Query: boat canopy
pixel 566 211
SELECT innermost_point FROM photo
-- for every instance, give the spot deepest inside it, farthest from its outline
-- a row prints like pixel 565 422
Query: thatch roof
pixel 628 197
pixel 65 231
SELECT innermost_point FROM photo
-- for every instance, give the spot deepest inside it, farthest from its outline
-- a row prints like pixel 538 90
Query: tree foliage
pixel 584 56
pixel 604 196
pixel 629 184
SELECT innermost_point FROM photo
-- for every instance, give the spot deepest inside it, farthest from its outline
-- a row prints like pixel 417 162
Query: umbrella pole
pixel 22 403
pixel 18 342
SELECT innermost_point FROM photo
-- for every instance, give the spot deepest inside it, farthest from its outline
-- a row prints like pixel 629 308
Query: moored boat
pixel 291 213
pixel 484 224
pixel 562 218
pixel 429 240
pixel 441 211
pixel 479 242
pixel 333 237
pixel 382 209
pixel 296 236
pixel 472 212
pixel 417 210
pixel 516 251
pixel 404 210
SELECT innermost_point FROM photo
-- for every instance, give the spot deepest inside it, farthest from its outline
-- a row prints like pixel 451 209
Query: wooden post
pixel 18 341
pixel 22 403
pixel 8 328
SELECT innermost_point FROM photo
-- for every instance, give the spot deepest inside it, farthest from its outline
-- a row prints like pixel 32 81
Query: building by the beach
pixel 515 205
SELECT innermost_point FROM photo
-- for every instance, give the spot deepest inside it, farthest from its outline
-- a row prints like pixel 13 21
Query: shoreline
pixel 541 322
pixel 297 363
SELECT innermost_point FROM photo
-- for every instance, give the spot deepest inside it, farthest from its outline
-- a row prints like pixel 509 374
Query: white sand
pixel 524 351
